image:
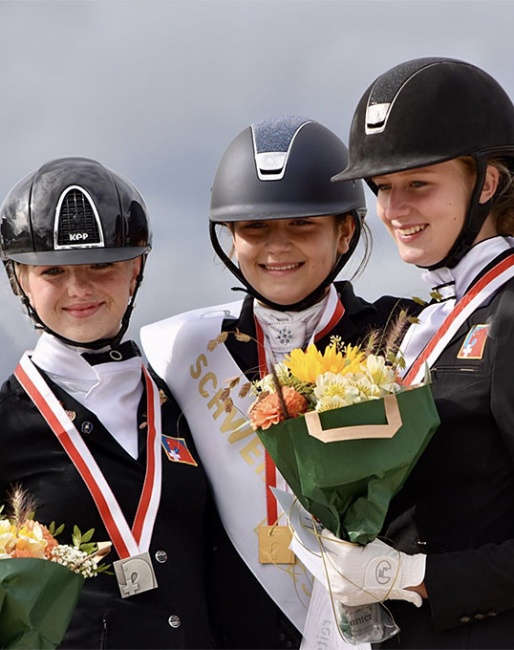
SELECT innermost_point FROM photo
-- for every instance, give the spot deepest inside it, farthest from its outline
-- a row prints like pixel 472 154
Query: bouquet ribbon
pixel 359 431
pixel 348 483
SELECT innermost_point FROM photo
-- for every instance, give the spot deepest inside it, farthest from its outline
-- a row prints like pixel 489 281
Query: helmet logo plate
pixel 77 223
pixel 376 117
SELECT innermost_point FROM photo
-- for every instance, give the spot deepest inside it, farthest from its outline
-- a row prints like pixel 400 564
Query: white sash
pixel 230 450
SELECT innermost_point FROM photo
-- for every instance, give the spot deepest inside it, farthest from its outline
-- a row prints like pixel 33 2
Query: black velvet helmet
pixel 280 168
pixel 73 211
pixel 428 111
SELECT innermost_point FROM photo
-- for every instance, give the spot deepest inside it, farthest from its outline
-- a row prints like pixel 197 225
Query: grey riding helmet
pixel 280 168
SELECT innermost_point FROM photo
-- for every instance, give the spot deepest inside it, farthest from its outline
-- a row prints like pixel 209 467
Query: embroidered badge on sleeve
pixel 177 451
pixel 474 343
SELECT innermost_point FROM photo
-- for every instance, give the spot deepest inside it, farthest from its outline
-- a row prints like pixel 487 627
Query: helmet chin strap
pixel 314 297
pixel 99 344
pixel 475 218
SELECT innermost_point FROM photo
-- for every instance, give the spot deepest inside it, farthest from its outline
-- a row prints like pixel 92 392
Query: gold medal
pixel 274 545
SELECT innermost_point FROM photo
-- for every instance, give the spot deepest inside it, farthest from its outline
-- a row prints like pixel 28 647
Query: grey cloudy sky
pixel 156 89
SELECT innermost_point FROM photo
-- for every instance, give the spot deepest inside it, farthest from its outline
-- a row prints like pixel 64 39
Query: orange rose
pixel 268 410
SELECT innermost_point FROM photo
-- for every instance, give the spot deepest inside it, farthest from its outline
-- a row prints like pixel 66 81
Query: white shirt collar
pixel 286 330
pixel 462 275
pixel 112 390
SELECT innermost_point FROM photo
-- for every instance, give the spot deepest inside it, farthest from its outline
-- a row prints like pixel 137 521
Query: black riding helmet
pixel 428 111
pixel 280 168
pixel 73 211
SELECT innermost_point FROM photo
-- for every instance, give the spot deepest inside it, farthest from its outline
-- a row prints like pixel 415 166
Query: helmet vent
pixel 77 224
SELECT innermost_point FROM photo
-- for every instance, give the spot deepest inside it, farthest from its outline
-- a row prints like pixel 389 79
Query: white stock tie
pixel 430 320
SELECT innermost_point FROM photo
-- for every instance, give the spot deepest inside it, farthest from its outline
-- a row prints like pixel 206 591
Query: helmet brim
pixel 79 256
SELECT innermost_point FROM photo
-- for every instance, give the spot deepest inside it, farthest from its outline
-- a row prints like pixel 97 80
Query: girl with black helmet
pixel 434 138
pixel 74 236
pixel 292 231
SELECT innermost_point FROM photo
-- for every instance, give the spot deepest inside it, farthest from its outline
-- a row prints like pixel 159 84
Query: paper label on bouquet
pixel 274 545
pixel 135 574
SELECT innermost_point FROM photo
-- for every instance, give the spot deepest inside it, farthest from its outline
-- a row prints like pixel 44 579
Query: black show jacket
pixel 172 616
pixel 458 504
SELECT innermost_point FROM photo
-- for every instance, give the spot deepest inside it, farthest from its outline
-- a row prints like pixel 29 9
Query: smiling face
pixel 424 209
pixel 82 303
pixel 286 259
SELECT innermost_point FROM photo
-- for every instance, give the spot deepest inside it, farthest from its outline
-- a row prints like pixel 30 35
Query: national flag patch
pixel 177 451
pixel 474 343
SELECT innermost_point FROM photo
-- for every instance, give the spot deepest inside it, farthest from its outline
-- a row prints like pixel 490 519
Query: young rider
pixel 85 430
pixel 434 138
pixel 291 231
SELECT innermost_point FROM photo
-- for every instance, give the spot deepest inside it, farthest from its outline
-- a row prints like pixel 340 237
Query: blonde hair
pixel 502 206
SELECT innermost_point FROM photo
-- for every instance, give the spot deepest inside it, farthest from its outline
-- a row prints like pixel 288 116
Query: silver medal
pixel 135 575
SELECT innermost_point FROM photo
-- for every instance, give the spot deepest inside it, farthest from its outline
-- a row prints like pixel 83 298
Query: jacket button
pixel 465 619
pixel 174 620
pixel 479 617
pixel 161 556
pixel 492 613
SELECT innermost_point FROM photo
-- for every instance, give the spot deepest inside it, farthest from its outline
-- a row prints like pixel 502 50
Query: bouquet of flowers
pixel 40 579
pixel 345 432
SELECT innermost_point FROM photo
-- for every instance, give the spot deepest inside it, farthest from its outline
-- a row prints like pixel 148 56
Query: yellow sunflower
pixel 309 364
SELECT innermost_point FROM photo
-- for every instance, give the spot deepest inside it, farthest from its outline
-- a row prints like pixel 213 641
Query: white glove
pixel 359 575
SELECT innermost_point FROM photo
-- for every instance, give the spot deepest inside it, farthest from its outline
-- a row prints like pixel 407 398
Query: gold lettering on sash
pixel 252 450
pixel 236 425
pixel 210 376
pixel 196 370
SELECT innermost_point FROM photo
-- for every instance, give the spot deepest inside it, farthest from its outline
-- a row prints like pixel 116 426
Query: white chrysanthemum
pixel 381 375
pixel 334 391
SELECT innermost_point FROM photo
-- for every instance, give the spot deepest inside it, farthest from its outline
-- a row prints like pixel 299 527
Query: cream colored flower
pixel 31 541
pixel 366 388
pixel 381 375
pixel 7 537
pixel 268 384
pixel 334 391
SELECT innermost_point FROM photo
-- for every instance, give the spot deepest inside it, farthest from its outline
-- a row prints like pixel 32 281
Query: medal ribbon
pixel 331 315
pixel 126 541
pixel 488 284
